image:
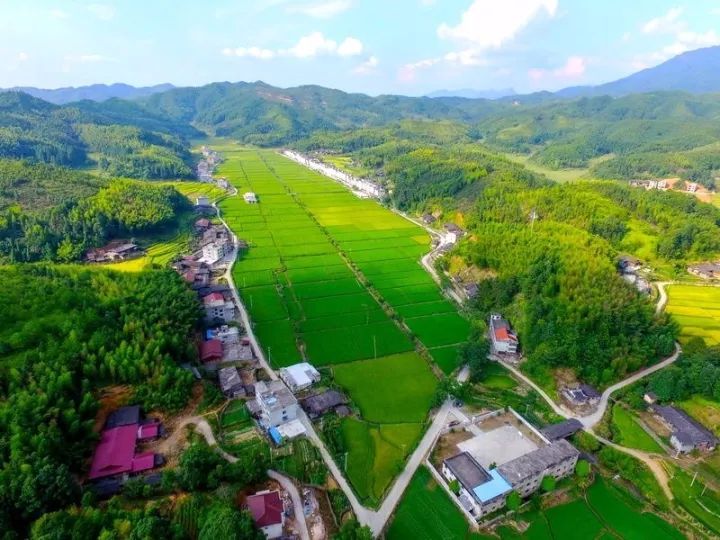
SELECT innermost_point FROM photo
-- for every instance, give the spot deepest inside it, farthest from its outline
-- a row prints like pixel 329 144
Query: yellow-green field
pixel 696 308
pixel 561 176
pixel 706 411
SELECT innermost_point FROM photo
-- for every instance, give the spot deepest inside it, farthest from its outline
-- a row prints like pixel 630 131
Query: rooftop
pixel 562 429
pixel 501 329
pixel 523 467
pixel 495 487
pixel 124 416
pixel 302 374
pixel 687 430
pixel 266 508
pixel 274 394
pixel 467 470
pixel 229 377
pixel 323 402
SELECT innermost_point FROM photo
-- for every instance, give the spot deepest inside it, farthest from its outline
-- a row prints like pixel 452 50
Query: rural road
pixel 290 487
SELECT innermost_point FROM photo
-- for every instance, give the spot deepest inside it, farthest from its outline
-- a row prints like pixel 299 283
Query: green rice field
pixel 323 270
pixel 627 432
pixel 697 311
pixel 426 512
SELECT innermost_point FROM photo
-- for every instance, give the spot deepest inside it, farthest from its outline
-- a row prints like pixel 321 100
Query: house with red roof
pixel 267 511
pixel 217 308
pixel 504 340
pixel 211 351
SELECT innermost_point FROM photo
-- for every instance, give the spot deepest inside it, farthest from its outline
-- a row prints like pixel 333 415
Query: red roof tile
pixel 143 462
pixel 213 297
pixel 266 509
pixel 211 350
pixel 149 431
pixel 114 454
pixel 501 334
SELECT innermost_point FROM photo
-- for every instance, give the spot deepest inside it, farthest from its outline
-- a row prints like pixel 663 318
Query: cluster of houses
pixel 498 453
pixel 119 454
pixel 361 187
pixel 117 250
pixel 705 270
pixel 631 270
pixel 205 168
pixel 662 185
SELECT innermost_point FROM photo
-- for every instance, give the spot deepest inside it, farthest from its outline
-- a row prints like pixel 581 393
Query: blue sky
pixel 372 46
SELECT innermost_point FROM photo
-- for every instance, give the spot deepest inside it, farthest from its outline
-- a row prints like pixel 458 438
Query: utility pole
pixel 533 217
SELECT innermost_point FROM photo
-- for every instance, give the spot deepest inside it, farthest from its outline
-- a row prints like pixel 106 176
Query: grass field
pixel 497 378
pixel 314 248
pixel 704 410
pixel 697 311
pixel 628 432
pixel 703 504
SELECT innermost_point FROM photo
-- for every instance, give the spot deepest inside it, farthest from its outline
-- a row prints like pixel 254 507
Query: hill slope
pixel 695 71
pixel 93 92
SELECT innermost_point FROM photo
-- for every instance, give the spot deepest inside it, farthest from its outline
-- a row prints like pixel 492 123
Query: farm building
pixel 687 434
pixel 115 455
pixel 250 197
pixel 428 219
pixel 562 430
pixel 117 250
pixel 230 382
pixel 202 201
pixel 481 491
pixel 211 351
pixel 504 340
pixel 505 453
pixel 267 511
pixel 323 403
pixel 217 308
pixel 707 270
pixel 583 394
pixel 300 376
pixel 276 402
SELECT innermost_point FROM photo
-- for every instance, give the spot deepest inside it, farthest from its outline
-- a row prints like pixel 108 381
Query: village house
pixel 217 308
pixel 202 200
pixel 706 270
pixel 562 430
pixel 267 510
pixel 504 340
pixel 197 278
pixel 201 225
pixel 116 454
pixel 300 376
pixel 650 398
pixel 471 290
pixel 117 250
pixel 581 395
pixel 691 187
pixel 276 403
pixel 231 382
pixel 211 352
pixel 504 454
pixel 687 434
pixel 428 219
pixel 319 404
pixel 250 197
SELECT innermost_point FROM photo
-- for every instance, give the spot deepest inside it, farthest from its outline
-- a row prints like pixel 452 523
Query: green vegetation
pixel 627 431
pixel 702 502
pixel 695 308
pixel 426 512
pixel 65 334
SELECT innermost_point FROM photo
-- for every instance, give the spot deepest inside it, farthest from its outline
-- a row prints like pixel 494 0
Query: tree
pixel 200 467
pixel 474 353
pixel 514 501
pixel 223 522
pixel 582 469
pixel 548 483
pixel 454 486
pixel 352 530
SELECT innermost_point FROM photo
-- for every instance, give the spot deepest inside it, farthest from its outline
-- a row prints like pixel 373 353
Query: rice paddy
pixel 697 311
pixel 336 280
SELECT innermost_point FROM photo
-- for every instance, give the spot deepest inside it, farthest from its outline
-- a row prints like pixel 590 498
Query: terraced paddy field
pixel 336 280
pixel 697 310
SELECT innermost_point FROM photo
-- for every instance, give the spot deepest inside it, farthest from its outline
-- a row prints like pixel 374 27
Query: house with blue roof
pixel 482 491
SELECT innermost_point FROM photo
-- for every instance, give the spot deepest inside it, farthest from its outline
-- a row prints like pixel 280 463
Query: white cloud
pixel 58 14
pixel 87 58
pixel 684 39
pixel 368 66
pixel 468 57
pixel 573 68
pixel 488 24
pixel 322 10
pixel 350 47
pixel 664 23
pixel 310 46
pixel 250 52
pixel 103 12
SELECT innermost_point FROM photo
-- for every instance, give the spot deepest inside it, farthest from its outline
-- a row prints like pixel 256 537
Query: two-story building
pixel 276 403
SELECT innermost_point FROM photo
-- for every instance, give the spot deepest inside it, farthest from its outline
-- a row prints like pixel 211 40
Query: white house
pixel 214 251
pixel 276 403
pixel 250 197
pixel 503 338
pixel 218 308
pixel 202 201
pixel 299 376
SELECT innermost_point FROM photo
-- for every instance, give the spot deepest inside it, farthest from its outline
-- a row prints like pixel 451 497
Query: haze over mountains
pixel 93 92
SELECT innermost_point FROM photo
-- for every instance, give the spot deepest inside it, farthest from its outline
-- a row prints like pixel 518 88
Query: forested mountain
pixel 93 92
pixel 262 114
pixel 695 71
pixel 64 334
pixel 125 139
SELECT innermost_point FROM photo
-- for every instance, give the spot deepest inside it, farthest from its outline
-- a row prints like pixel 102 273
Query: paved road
pixel 662 295
pixel 289 486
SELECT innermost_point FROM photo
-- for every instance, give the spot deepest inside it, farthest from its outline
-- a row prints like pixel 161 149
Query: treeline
pixel 63 335
pixel 74 224
pixel 116 136
pixel 696 372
